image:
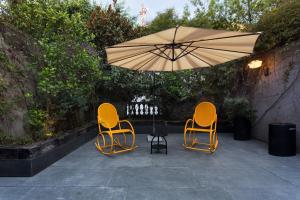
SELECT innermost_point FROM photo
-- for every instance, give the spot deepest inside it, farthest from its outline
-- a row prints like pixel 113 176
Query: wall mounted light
pixel 254 64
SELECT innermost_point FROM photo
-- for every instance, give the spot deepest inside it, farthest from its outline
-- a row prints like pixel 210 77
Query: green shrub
pixel 36 123
pixel 6 139
pixel 238 107
pixel 279 26
pixel 67 75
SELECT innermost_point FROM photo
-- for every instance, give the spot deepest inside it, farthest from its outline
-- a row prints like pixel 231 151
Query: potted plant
pixel 239 112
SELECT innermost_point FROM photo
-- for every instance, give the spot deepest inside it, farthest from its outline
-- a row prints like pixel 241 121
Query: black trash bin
pixel 282 139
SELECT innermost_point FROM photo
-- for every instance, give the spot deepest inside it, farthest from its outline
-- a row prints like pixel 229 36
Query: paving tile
pixel 288 173
pixel 13 193
pixel 154 193
pixel 153 176
pixel 61 176
pixel 79 162
pixel 184 158
pixel 248 177
pixel 265 193
pixel 12 181
pixel 76 193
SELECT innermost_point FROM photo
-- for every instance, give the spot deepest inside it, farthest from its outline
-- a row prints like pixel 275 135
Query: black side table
pixel 159 133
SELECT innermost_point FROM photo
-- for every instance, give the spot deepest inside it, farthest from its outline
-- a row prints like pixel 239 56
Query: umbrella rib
pixel 160 55
pixel 163 52
pixel 185 50
pixel 149 60
pixel 186 53
pixel 226 37
pixel 139 45
pixel 201 47
pixel 206 57
pixel 127 61
pixel 199 58
pixel 186 47
pixel 146 63
pixel 165 62
pixel 222 56
pixel 131 56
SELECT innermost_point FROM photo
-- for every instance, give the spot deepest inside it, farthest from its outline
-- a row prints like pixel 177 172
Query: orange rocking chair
pixel 204 121
pixel 114 138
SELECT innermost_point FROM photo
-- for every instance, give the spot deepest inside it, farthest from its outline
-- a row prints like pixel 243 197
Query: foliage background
pixel 72 76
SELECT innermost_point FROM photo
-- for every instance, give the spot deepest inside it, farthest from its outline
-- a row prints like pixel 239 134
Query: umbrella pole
pixel 153 114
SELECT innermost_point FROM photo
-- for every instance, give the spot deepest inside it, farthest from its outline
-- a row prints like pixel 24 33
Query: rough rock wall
pixel 18 80
pixel 276 95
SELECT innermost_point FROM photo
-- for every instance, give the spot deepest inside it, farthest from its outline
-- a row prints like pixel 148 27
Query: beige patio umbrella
pixel 181 48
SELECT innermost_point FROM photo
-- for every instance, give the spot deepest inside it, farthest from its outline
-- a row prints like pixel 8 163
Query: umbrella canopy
pixel 181 48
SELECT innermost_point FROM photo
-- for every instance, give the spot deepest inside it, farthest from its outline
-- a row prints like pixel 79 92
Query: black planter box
pixel 242 129
pixel 26 161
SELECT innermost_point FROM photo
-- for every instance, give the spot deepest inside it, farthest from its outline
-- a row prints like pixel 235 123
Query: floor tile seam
pixel 74 186
pixel 63 186
pixel 159 187
pixel 259 187
pixel 231 192
pixel 14 186
pixel 87 168
pixel 127 167
pixel 108 182
pixel 279 176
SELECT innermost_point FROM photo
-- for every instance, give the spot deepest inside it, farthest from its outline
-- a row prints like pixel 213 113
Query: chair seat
pixel 118 131
pixel 198 129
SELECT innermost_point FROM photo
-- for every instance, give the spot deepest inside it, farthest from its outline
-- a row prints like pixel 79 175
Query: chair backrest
pixel 108 115
pixel 205 114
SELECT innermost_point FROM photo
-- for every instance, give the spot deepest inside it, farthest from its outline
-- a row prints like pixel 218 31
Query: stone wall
pixel 17 50
pixel 276 93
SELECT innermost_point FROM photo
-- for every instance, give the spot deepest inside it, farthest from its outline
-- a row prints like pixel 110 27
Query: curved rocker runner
pixel 114 137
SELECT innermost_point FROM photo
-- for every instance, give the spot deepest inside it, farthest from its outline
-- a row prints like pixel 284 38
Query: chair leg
pixel 152 143
pixel 216 140
pixel 184 138
pixel 133 140
pixel 124 136
pixel 166 144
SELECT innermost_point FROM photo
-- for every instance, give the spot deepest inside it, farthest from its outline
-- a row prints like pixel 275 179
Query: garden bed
pixel 28 160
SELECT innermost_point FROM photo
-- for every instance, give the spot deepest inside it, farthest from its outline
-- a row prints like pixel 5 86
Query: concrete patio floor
pixel 238 170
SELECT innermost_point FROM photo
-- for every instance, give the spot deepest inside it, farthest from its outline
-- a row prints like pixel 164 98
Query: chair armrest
pixel 187 122
pixel 126 121
pixel 214 123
